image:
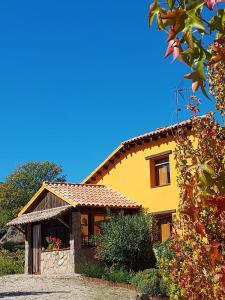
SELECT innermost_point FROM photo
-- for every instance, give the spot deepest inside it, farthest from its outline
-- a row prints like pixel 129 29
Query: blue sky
pixel 77 78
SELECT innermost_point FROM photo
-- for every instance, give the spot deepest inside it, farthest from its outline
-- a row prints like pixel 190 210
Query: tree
pixel 22 184
pixel 126 242
pixel 196 37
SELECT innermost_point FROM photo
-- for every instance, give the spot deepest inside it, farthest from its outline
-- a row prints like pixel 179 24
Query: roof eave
pixel 38 193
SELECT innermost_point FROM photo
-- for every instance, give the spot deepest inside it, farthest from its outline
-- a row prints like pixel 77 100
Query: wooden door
pixel 36 249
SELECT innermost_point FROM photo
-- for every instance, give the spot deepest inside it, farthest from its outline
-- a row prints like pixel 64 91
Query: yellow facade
pixel 130 175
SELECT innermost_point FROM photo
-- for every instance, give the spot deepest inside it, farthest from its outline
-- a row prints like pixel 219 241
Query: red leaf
pixel 200 228
pixel 214 253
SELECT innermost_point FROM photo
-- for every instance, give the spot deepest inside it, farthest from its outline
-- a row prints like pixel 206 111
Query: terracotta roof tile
pixel 161 130
pixel 158 133
pixel 91 195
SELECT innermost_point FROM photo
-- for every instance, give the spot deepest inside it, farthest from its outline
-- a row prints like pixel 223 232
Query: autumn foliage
pixel 196 36
pixel 198 267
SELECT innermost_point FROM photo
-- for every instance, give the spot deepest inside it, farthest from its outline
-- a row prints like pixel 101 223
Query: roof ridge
pixel 124 146
pixel 162 128
pixel 71 183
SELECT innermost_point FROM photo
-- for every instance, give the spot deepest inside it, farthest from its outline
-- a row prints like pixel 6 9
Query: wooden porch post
pixel 28 250
pixel 75 240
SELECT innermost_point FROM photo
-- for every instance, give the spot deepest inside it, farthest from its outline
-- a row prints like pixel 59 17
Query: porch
pixel 58 229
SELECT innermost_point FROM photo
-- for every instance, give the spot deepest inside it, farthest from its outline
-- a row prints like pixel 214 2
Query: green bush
pixel 98 270
pixel 126 242
pixel 11 262
pixel 91 269
pixel 164 254
pixel 150 282
pixel 163 251
pixel 121 276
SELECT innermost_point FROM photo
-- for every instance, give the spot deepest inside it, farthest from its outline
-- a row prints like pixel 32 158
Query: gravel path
pixel 30 287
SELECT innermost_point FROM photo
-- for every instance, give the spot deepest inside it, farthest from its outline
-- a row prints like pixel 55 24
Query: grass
pixel 11 262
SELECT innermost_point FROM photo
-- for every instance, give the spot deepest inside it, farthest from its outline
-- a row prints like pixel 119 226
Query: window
pixel 164 225
pixel 98 220
pixel 84 228
pixel 54 228
pixel 91 225
pixel 159 168
pixel 165 231
pixel 162 171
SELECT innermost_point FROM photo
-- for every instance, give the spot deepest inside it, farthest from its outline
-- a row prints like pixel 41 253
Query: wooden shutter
pixel 165 231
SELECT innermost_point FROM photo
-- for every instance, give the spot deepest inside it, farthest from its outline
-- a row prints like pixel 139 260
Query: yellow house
pixel 143 169
pixel 60 218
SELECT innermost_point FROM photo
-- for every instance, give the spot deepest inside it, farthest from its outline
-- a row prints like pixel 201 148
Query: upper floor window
pixel 162 171
pixel 159 169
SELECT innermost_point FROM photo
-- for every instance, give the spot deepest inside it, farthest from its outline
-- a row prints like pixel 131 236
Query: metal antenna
pixel 179 93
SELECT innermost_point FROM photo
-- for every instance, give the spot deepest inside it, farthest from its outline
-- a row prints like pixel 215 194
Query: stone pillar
pixel 75 240
pixel 28 250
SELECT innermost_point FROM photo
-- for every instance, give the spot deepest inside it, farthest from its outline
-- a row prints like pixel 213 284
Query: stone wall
pixel 56 262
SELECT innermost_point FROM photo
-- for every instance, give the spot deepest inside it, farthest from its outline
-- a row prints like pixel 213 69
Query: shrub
pixel 150 282
pixel 98 270
pixel 121 276
pixel 164 254
pixel 11 262
pixel 126 242
pixel 92 269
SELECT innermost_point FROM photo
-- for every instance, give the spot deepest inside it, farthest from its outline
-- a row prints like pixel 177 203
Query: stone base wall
pixel 56 262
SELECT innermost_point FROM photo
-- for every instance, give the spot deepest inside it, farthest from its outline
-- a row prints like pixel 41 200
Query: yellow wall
pixel 131 177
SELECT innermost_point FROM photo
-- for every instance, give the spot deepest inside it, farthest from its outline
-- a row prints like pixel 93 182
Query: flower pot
pixel 55 248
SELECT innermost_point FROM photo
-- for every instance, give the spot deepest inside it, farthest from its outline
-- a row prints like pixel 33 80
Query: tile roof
pixel 90 195
pixel 36 216
pixel 160 130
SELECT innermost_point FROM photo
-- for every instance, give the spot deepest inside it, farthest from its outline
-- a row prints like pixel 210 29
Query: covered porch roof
pixel 38 216
pixel 84 195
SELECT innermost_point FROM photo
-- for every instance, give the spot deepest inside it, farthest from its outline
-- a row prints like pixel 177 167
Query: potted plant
pixel 54 243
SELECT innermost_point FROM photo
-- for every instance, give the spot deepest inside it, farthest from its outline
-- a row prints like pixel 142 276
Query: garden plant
pixel 196 36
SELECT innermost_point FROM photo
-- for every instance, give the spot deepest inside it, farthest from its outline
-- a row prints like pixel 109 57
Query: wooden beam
pixel 20 229
pixel 123 150
pixel 132 145
pixel 158 155
pixel 147 140
pixel 63 222
pixel 164 212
